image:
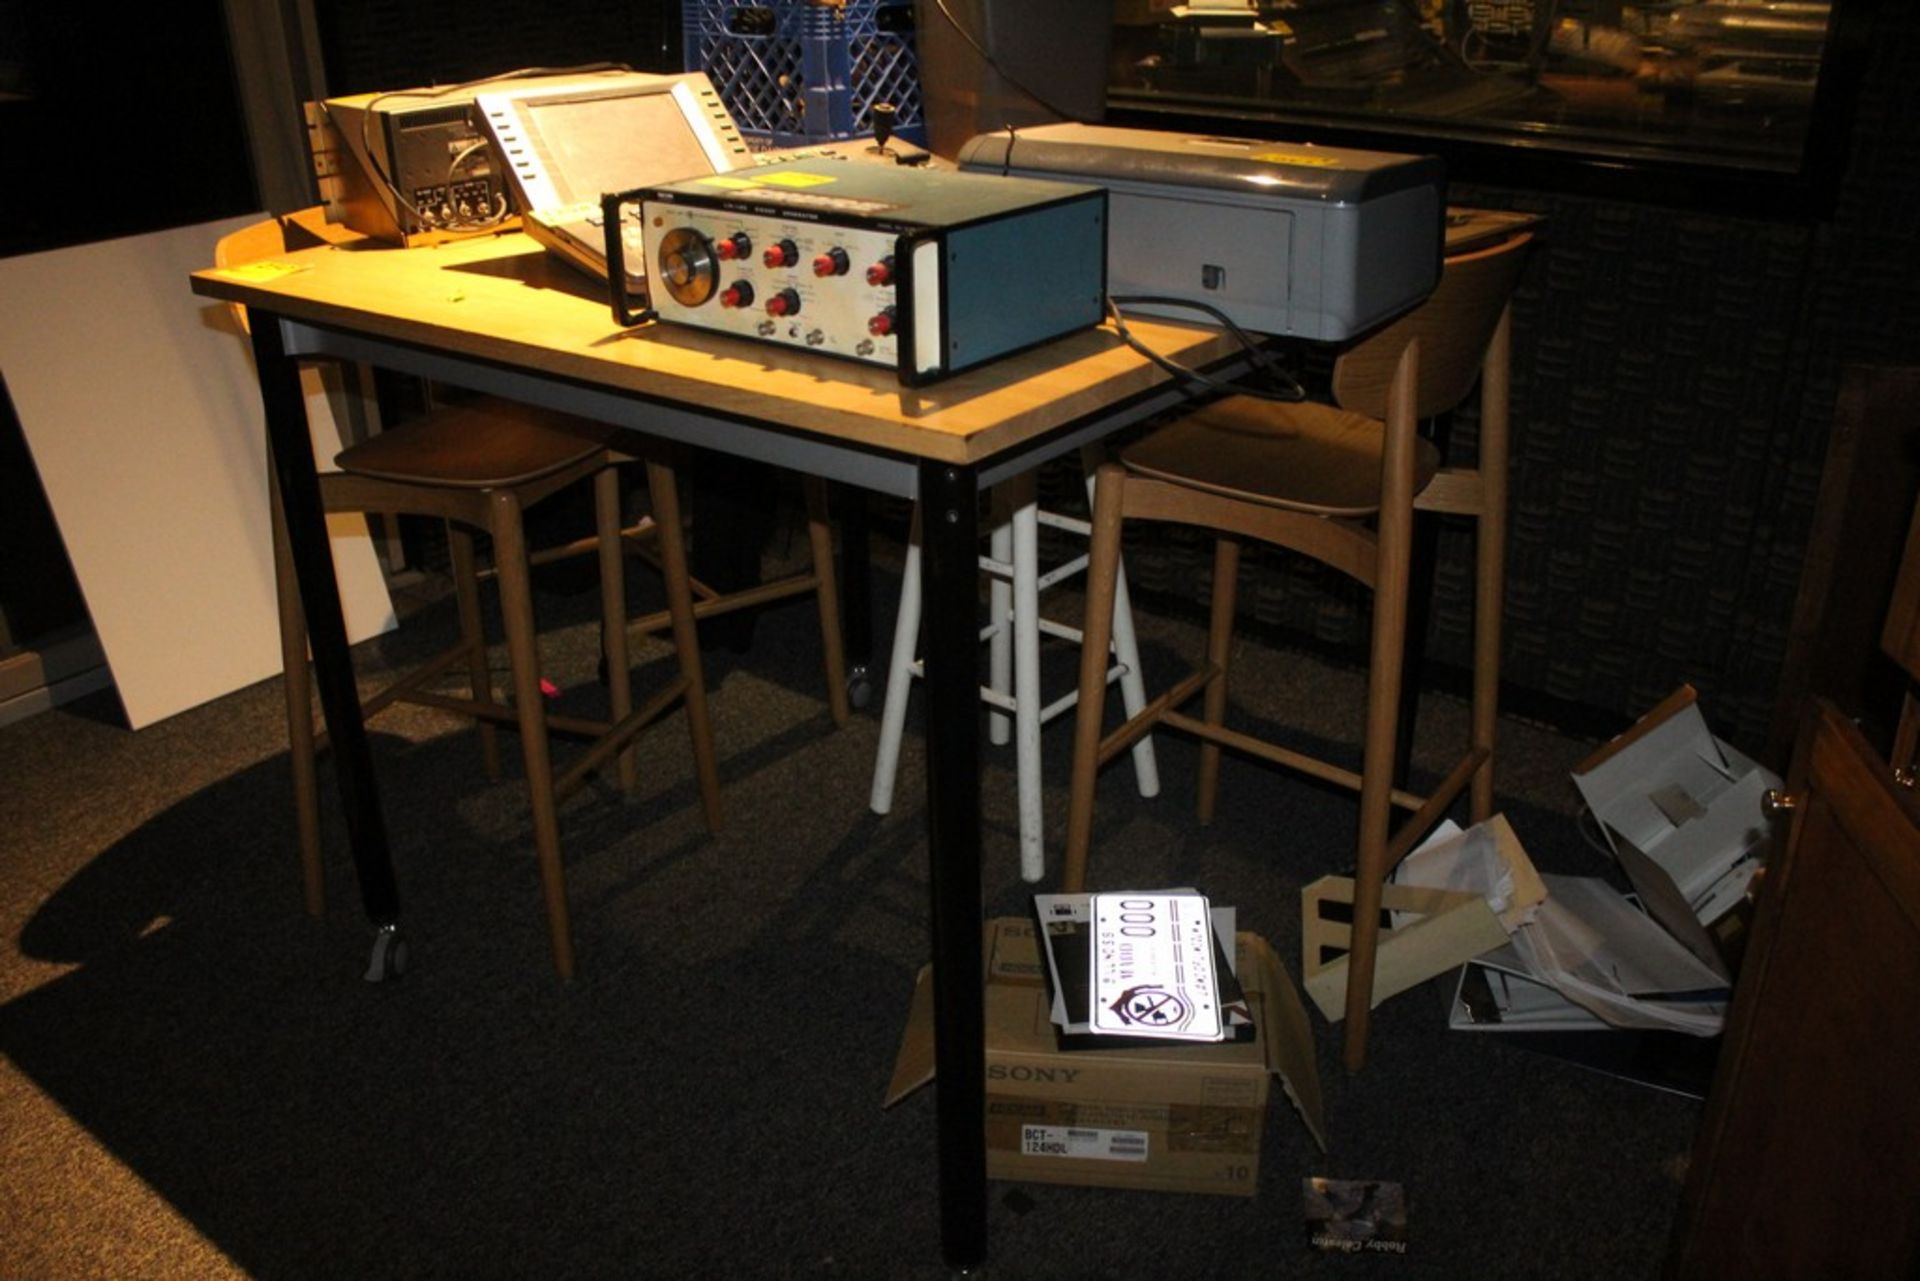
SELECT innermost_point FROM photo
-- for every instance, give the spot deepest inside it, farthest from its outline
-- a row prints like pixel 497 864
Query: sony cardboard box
pixel 1175 1118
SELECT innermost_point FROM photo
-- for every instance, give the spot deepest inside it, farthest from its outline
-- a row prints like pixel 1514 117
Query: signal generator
pixel 929 272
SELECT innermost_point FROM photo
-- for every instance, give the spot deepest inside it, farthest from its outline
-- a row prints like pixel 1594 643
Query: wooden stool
pixel 1339 483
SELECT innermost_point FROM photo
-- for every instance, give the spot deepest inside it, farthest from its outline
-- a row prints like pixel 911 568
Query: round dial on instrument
pixel 688 266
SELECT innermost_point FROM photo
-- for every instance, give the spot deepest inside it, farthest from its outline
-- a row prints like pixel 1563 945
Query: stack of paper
pixel 1133 967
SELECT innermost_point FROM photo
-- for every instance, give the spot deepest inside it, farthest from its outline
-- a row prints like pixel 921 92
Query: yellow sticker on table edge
pixel 1294 158
pixel 265 270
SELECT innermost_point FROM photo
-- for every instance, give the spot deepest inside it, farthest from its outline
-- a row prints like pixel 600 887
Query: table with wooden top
pixel 496 315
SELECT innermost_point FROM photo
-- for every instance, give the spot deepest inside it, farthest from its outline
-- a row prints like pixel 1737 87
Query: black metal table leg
pixel 950 563
pixel 733 506
pixel 856 591
pixel 290 447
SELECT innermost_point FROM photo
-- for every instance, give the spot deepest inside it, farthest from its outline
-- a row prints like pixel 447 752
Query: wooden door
pixel 1808 1159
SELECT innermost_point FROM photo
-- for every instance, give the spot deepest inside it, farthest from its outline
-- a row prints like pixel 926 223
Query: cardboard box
pixel 1609 965
pixel 1681 811
pixel 1539 1019
pixel 1174 1118
pixel 1432 929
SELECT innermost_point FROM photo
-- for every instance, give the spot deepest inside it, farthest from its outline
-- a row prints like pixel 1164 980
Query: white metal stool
pixel 1012 633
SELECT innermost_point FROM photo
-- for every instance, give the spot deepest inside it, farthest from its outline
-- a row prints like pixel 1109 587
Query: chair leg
pixel 1126 651
pixel 1226 591
pixel 1002 611
pixel 893 712
pixel 1487 609
pixel 1392 569
pixel 516 609
pixel 686 642
pixel 298 683
pixel 1376 818
pixel 1421 580
pixel 466 590
pixel 827 596
pixel 1024 547
pixel 613 612
pixel 1490 558
pixel 1103 567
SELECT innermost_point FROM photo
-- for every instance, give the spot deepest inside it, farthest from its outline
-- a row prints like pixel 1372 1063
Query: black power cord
pixel 1289 390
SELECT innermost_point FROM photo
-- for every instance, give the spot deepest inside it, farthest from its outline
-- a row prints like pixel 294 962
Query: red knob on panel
pixel 738 294
pixel 734 248
pixel 831 263
pixel 782 254
pixel 784 303
pixel 881 324
pixel 881 273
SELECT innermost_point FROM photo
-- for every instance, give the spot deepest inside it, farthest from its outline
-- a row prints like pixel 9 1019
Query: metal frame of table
pixel 947 491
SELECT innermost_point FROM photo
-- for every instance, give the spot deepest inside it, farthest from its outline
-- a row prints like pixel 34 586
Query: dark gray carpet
pixel 198 1080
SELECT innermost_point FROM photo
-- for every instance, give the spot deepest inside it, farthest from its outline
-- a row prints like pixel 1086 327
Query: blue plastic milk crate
pixel 793 72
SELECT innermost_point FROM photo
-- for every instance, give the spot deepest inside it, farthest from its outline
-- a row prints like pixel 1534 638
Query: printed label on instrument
pixel 816 200
pixel 1153 967
pixel 1091 1145
pixel 1296 158
pixel 788 178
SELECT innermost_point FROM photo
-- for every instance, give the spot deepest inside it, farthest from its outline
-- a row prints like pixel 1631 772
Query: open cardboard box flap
pixel 1020 1030
pixel 1433 930
pixel 1681 811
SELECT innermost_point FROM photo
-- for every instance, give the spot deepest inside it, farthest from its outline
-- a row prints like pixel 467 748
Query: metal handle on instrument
pixel 610 205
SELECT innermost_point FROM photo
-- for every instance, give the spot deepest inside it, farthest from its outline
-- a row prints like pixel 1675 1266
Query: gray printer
pixel 1283 237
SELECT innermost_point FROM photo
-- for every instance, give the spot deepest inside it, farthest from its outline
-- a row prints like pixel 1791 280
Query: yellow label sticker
pixel 796 179
pixel 725 183
pixel 1295 158
pixel 262 271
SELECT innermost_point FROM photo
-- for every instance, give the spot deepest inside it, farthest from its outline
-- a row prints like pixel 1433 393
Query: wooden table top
pixel 504 299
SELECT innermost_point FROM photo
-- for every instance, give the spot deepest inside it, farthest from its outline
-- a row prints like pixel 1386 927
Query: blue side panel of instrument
pixel 1014 282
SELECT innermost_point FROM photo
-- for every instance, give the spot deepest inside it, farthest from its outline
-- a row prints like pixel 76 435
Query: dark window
pixel 1735 102
pixel 116 121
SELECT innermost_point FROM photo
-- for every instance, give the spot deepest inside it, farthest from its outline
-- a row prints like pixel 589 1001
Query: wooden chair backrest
pixel 268 237
pixel 250 244
pixel 1453 326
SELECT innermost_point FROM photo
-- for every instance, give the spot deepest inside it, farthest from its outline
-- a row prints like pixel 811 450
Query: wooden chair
pixel 817 579
pixel 1339 483
pixel 480 465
